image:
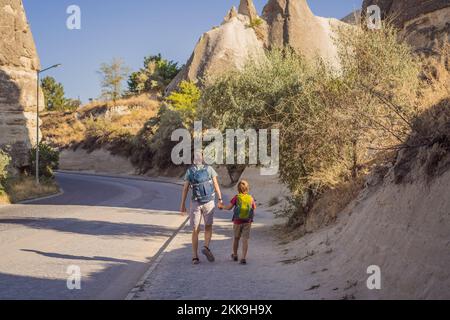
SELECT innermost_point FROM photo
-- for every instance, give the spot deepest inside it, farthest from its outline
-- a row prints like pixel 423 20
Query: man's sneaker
pixel 208 254
pixel 234 258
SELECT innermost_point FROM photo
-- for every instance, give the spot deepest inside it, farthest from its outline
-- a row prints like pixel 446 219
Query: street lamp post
pixel 38 73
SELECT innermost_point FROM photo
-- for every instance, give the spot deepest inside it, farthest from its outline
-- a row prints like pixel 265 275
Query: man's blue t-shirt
pixel 211 172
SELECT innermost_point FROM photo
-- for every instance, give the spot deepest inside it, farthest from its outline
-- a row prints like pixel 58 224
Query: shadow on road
pixel 71 257
pixel 90 227
pixel 19 287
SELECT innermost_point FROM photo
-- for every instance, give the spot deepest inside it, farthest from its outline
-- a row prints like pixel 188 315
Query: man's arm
pixel 183 209
pixel 217 188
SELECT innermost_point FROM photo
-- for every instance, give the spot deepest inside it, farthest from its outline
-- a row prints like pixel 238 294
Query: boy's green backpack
pixel 244 208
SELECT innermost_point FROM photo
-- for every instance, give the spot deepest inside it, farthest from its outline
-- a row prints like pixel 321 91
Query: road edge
pixel 154 263
pixel 60 193
pixel 126 177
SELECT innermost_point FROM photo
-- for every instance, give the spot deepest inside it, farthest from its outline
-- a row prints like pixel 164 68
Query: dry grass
pixel 428 148
pixel 134 102
pixel 4 199
pixel 62 130
pixel 25 188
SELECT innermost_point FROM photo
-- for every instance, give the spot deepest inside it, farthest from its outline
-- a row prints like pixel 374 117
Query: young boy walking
pixel 244 211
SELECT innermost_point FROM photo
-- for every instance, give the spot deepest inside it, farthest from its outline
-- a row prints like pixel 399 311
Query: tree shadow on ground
pixel 72 257
pixel 90 227
pixel 104 284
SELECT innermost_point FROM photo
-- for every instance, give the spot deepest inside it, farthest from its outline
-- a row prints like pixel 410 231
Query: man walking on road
pixel 202 179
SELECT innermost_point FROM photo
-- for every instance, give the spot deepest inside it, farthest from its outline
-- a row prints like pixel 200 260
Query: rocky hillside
pixel 244 35
pixel 18 64
pixel 424 24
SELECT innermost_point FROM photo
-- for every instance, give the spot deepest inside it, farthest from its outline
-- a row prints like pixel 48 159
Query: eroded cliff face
pixel 425 25
pixel 18 64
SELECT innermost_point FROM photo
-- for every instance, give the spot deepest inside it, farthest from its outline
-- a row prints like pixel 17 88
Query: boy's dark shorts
pixel 242 231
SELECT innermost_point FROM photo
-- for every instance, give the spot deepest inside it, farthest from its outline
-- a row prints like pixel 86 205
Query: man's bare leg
pixel 208 235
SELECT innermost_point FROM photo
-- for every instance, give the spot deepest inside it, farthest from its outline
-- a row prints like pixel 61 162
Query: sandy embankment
pixel 403 229
pixel 99 161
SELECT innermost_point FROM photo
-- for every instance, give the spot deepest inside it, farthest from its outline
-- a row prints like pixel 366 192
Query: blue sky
pixel 130 29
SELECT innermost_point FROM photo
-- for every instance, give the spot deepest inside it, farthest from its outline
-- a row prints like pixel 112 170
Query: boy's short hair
pixel 243 187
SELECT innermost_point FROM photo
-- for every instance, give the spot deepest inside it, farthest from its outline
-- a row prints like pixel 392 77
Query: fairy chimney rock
pixel 18 65
pixel 247 8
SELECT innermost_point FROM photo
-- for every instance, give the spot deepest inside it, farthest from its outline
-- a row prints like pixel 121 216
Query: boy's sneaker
pixel 208 254
pixel 234 258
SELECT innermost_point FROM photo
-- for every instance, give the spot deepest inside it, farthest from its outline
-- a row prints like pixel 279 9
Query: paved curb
pixel 119 176
pixel 154 263
pixel 60 193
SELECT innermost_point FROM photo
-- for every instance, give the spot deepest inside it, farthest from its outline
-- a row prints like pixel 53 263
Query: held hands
pixel 220 205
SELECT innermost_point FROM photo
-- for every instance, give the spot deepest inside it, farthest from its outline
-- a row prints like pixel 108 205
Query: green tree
pixel 185 101
pixel 54 94
pixel 48 160
pixel 331 123
pixel 112 76
pixel 155 76
pixel 73 104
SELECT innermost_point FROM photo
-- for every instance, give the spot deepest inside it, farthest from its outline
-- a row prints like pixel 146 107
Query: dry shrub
pixel 436 77
pixel 332 123
pixel 4 199
pixel 428 147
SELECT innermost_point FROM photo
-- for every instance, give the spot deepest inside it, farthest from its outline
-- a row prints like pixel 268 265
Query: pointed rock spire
pixel 231 14
pixel 247 8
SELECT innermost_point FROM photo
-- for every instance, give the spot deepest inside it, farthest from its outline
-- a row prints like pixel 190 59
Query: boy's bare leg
pixel 244 248
pixel 195 235
pixel 208 235
pixel 236 246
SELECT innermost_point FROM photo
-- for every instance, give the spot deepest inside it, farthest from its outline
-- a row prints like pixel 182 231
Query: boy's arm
pixel 229 207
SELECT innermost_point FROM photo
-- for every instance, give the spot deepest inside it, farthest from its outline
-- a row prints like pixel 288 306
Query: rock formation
pixel 247 8
pixel 353 18
pixel 244 35
pixel 292 23
pixel 18 64
pixel 226 47
pixel 424 24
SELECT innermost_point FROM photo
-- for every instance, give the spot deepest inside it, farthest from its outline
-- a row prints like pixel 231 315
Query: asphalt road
pixel 109 228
